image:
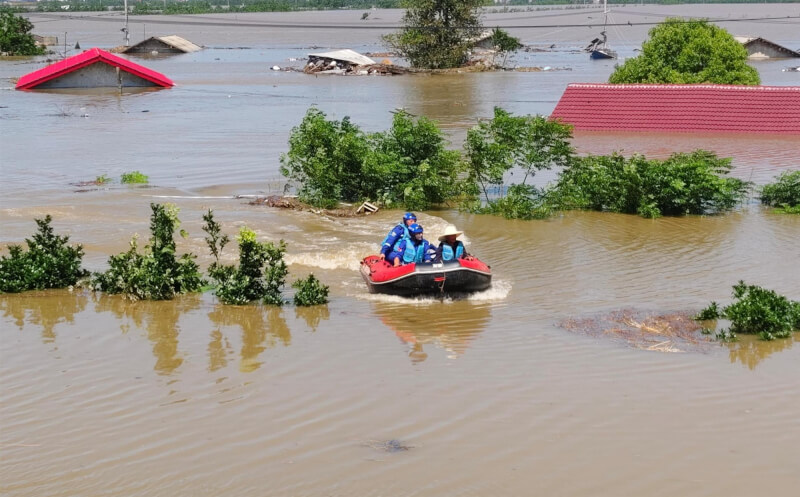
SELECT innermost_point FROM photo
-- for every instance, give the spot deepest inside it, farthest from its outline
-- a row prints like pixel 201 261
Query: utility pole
pixel 125 29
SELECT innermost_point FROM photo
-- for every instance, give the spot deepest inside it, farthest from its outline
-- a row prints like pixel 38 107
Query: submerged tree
pixel 684 52
pixel 15 34
pixel 497 147
pixel 49 262
pixel 437 34
pixel 504 43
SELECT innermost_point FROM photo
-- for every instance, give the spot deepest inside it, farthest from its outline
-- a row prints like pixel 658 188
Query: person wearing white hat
pixel 450 249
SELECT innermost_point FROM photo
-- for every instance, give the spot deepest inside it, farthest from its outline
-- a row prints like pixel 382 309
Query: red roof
pixel 87 58
pixel 690 108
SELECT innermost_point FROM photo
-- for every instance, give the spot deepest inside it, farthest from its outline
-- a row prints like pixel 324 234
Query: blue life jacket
pixel 406 236
pixel 447 251
pixel 414 253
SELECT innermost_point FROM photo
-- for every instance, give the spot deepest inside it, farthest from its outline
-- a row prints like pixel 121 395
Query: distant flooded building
pixel 681 108
pixel 163 45
pixel 93 68
pixel 759 48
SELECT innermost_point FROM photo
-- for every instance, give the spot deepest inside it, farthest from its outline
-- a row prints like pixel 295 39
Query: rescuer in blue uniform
pixel 397 235
pixel 450 249
pixel 417 249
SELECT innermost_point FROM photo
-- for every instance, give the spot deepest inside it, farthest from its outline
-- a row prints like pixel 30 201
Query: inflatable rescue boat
pixel 460 276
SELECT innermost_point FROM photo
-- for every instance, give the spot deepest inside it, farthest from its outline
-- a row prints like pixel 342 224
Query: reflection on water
pixel 453 327
pixel 45 309
pixel 750 350
pixel 159 318
pixel 262 327
pixel 312 315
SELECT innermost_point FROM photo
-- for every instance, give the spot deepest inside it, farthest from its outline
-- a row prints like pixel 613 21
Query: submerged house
pixel 759 48
pixel 94 68
pixel 681 108
pixel 163 45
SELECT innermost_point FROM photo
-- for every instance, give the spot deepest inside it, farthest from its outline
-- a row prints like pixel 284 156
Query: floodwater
pixel 372 395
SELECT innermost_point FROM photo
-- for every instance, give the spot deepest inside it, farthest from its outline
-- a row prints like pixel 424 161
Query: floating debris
pixel 670 332
pixel 390 446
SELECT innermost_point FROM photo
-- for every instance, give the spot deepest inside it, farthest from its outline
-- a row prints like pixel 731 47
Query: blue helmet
pixel 414 229
pixel 409 215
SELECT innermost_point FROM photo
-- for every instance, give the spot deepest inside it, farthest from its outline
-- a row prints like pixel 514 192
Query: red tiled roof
pixel 87 58
pixel 691 108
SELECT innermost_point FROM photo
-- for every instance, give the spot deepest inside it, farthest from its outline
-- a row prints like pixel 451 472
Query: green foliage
pixel 756 310
pixel 496 147
pixel 155 274
pixel 683 52
pixel 310 291
pixel 504 43
pixel 15 36
pixel 709 313
pixel 335 161
pixel 783 193
pixel 763 312
pixel 134 177
pixel 682 184
pixel 48 263
pixel 260 275
pixel 326 158
pixel 102 179
pixel 437 34
pixel 409 165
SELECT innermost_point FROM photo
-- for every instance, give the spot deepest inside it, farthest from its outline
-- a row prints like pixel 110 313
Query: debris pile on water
pixel 670 332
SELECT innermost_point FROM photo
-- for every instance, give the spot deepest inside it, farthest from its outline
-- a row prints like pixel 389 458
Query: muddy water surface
pixel 375 395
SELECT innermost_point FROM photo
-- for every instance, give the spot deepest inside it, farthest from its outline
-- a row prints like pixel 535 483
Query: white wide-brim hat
pixel 450 230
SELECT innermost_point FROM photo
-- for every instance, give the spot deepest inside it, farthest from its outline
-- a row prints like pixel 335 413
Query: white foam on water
pixel 498 291
pixel 335 257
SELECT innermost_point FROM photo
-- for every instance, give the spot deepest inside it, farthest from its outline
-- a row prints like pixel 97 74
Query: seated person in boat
pixel 397 235
pixel 450 249
pixel 417 249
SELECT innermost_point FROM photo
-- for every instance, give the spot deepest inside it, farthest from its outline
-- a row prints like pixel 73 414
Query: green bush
pixel 156 274
pixel 684 183
pixel 134 177
pixel 495 148
pixel 310 291
pixel 684 52
pixel 260 275
pixel 756 310
pixel 15 35
pixel 334 161
pixel 48 263
pixel 784 193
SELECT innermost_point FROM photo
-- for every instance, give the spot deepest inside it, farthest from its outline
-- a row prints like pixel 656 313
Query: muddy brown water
pixel 100 396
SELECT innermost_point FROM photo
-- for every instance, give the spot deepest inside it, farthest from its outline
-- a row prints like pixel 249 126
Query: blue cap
pixel 409 215
pixel 415 228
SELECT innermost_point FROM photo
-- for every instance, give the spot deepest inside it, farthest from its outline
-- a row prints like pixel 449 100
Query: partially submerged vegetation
pixel 506 142
pixel 15 34
pixel 684 52
pixel 310 291
pixel 49 262
pixel 784 193
pixel 261 272
pixel 156 273
pixel 134 177
pixel 693 183
pixel 757 311
pixel 409 166
pixel 437 35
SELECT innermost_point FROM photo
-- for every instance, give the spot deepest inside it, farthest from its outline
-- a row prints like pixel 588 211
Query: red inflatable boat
pixel 460 276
